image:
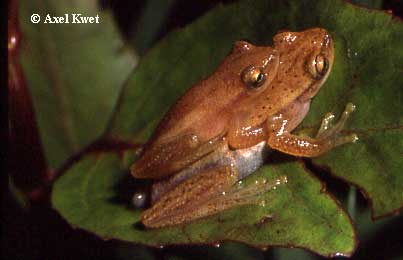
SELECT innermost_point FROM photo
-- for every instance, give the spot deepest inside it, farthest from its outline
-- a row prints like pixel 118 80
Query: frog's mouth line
pixel 309 93
pixel 314 88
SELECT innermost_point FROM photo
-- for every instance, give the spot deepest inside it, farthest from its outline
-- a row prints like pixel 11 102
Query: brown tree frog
pixel 219 131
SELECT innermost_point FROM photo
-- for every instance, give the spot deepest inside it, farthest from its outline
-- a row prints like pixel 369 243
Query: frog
pixel 225 126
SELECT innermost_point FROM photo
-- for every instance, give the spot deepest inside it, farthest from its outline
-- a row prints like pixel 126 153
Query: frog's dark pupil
pixel 321 64
pixel 325 65
pixel 259 77
pixel 257 81
pixel 253 77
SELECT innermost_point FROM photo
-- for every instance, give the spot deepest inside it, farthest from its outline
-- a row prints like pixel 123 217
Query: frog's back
pixel 203 113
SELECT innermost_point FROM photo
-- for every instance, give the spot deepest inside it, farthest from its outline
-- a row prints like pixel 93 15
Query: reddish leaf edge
pixel 23 132
pixel 323 167
pixel 374 216
pixel 388 12
pixel 102 145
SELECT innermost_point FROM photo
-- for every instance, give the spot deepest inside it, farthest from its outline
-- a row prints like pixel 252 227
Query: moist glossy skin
pixel 252 101
pixel 206 111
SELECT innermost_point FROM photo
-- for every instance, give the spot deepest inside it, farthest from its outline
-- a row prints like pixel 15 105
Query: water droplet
pixel 351 54
pixel 12 42
pixel 139 199
pixel 265 219
pixel 264 248
pixel 216 244
pixel 282 180
pixel 138 151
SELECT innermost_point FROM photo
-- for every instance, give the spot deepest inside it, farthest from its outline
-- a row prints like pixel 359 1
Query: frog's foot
pixel 187 201
pixel 326 129
pixel 324 126
pixel 327 137
pixel 205 194
pixel 250 194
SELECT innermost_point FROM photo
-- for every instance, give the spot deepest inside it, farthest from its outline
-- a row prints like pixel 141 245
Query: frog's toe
pixel 240 192
pixel 350 107
pixel 351 138
pixel 326 123
pixel 327 130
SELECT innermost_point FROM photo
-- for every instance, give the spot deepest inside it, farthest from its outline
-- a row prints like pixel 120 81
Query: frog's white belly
pixel 246 161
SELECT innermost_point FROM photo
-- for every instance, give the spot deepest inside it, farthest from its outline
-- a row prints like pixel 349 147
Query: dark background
pixel 38 232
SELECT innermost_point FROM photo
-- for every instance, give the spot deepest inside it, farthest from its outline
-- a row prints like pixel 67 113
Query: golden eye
pixel 253 77
pixel 319 66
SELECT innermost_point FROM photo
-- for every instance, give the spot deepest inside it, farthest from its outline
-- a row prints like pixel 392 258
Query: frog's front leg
pixel 241 135
pixel 327 137
pixel 204 194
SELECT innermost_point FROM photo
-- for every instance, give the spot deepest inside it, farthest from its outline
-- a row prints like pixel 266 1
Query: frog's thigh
pixel 326 139
pixel 172 155
pixel 192 155
pixel 189 200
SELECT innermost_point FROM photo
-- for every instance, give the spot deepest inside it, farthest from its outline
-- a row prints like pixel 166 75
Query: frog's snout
pixel 327 40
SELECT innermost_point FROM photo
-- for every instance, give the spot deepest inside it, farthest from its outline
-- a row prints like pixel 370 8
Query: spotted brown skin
pixel 251 102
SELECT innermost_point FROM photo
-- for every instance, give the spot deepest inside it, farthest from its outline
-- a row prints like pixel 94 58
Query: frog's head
pixel 253 67
pixel 299 65
pixel 306 59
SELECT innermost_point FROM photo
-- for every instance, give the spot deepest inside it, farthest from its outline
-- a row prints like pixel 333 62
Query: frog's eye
pixel 253 77
pixel 319 66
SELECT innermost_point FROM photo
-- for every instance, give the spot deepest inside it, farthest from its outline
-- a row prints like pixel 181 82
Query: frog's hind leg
pixel 202 195
pixel 250 194
pixel 327 137
pixel 173 155
pixel 182 204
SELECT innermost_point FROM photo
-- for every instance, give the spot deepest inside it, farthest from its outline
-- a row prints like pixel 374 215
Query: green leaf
pixel 298 213
pixel 367 71
pixel 74 71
